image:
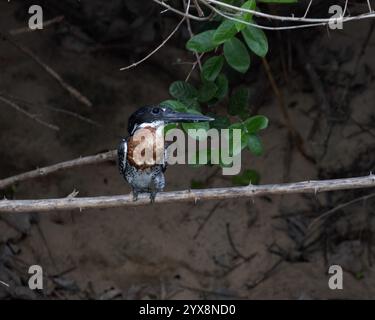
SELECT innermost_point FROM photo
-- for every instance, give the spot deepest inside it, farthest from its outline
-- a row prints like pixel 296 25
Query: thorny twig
pixel 250 191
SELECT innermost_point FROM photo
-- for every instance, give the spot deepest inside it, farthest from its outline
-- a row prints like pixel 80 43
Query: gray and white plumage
pixel 149 178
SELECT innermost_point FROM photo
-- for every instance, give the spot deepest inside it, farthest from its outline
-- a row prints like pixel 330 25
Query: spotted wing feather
pixel 122 152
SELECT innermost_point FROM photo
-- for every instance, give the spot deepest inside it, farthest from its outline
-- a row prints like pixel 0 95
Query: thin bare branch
pixel 72 91
pixel 260 26
pixel 307 9
pixel 157 48
pixel 188 25
pixel 180 12
pixel 310 22
pixel 193 67
pixel 41 172
pixel 323 217
pixel 369 6
pixel 54 109
pixel 289 18
pixel 199 9
pixel 345 7
pixel 45 24
pixel 232 14
pixel 28 114
pixel 250 191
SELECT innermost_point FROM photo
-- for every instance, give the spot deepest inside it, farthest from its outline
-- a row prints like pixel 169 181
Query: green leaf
pixel 220 122
pixel 256 40
pixel 238 103
pixel 180 107
pixel 235 147
pixel 237 55
pixel 175 105
pixel 192 103
pixel 197 184
pixel 359 275
pixel 194 159
pixel 207 91
pixel 225 31
pixel 189 106
pixel 248 177
pixel 182 90
pixel 222 86
pixel 168 127
pixel 198 125
pixel 245 16
pixel 256 123
pixel 255 145
pixel 212 67
pixel 202 42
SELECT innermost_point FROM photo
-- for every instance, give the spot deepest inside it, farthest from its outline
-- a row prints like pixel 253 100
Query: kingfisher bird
pixel 149 122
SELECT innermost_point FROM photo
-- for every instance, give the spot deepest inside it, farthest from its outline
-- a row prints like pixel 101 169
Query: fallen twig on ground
pixel 316 223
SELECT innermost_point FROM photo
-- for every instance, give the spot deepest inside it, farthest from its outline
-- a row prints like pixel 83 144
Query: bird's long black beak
pixel 175 117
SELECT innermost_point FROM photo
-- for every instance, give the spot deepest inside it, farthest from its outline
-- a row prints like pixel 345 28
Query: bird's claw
pixel 152 197
pixel 135 195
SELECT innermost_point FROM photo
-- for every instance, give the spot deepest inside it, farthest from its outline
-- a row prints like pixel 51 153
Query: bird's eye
pixel 155 110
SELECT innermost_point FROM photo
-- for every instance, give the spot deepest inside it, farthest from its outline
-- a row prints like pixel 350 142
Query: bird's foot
pixel 135 195
pixel 152 196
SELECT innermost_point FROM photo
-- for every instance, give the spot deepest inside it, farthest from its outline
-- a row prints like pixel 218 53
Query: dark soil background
pixel 253 249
